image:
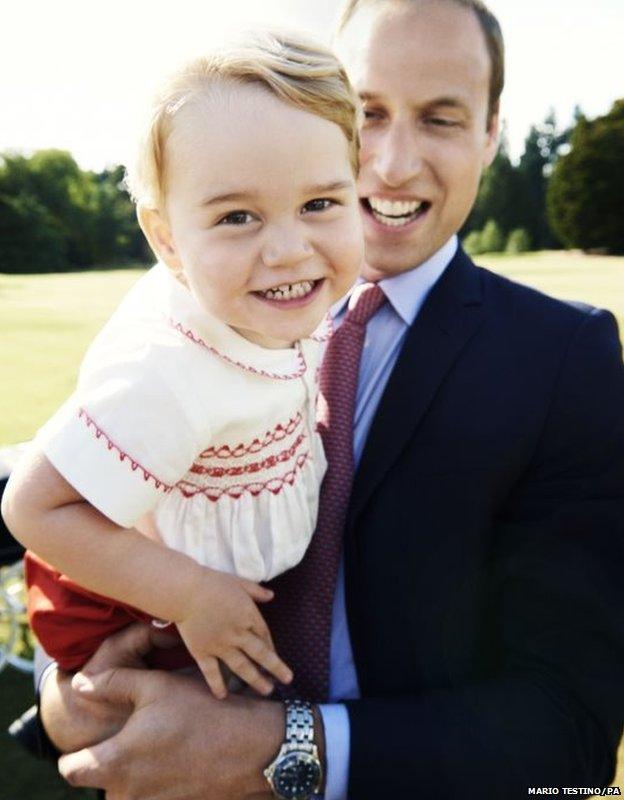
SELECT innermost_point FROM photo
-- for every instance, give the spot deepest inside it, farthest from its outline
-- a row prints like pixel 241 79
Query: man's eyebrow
pixel 236 197
pixel 436 102
pixel 447 102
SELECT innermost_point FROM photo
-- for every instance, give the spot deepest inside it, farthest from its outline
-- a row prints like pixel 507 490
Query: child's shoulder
pixel 139 336
pixel 141 358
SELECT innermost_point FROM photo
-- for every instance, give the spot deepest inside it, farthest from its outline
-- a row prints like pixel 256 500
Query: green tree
pixel 498 194
pixel 55 216
pixel 30 237
pixel 541 151
pixel 472 244
pixel 70 195
pixel 118 235
pixel 518 241
pixel 585 196
pixel 492 237
pixel 52 179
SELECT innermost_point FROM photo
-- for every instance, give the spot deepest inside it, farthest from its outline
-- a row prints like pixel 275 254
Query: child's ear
pixel 158 234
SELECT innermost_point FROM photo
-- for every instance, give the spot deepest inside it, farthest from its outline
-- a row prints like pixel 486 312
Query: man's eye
pixel 236 218
pixel 441 122
pixel 319 204
pixel 371 114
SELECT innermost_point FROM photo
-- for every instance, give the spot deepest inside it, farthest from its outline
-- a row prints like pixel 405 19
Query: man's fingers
pixel 259 593
pixel 120 685
pixel 210 670
pixel 240 665
pixel 257 649
pixel 127 648
pixel 89 767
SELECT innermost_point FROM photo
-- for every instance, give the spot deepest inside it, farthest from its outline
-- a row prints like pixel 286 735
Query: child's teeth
pixel 289 291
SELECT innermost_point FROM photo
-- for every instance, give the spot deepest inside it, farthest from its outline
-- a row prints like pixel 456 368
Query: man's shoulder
pixel 523 302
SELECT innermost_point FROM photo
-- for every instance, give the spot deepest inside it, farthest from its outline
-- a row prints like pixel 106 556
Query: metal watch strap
pixel 299 725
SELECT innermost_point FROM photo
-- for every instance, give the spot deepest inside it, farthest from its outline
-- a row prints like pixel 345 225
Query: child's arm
pixel 215 612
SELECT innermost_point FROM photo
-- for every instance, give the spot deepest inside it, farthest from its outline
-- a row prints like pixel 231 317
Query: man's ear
pixel 492 140
pixel 158 234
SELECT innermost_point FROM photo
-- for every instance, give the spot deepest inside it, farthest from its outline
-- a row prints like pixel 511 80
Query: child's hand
pixel 223 622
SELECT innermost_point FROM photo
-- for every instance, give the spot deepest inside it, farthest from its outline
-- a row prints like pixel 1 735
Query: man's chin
pixel 384 259
pixel 387 265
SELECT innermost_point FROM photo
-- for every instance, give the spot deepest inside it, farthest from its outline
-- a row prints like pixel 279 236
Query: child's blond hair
pixel 299 71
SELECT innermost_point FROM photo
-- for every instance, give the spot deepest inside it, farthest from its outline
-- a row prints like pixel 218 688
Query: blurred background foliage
pixel 56 217
pixel 565 191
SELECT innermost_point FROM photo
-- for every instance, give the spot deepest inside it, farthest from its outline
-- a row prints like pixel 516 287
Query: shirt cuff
pixel 337 750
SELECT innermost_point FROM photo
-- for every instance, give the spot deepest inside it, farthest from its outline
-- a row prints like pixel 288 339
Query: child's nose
pixel 285 247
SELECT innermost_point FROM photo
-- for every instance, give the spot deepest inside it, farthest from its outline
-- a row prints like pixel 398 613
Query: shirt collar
pixel 408 291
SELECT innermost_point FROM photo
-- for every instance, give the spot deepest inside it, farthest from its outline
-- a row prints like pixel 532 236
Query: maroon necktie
pixel 301 613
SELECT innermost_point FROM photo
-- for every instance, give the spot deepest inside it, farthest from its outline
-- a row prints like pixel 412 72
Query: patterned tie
pixel 300 614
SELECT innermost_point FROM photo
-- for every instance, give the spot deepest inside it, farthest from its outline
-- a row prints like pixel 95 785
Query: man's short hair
pixel 491 30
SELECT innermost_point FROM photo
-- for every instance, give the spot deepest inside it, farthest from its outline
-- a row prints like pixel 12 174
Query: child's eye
pixel 371 113
pixel 236 218
pixel 319 204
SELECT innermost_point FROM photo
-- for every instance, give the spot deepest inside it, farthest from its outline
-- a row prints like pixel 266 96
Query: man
pixel 477 633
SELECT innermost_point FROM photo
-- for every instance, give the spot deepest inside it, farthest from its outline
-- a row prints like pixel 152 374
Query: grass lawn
pixel 47 321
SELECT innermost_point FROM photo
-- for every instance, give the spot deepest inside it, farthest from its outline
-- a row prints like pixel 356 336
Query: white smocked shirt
pixel 186 430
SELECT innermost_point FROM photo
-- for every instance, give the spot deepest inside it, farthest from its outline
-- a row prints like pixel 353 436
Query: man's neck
pixel 445 253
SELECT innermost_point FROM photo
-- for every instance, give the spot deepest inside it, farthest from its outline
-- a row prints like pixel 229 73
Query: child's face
pixel 260 195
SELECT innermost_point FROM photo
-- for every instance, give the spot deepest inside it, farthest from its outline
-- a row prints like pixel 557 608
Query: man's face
pixel 422 70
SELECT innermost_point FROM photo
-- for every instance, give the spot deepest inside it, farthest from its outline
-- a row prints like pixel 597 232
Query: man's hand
pixel 179 743
pixel 74 720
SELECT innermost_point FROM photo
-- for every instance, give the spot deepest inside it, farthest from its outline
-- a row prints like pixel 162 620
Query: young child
pixel 186 466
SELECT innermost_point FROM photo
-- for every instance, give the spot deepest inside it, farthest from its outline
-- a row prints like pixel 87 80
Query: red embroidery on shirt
pixel 123 456
pixel 247 367
pixel 274 485
pixel 213 493
pixel 276 435
pixel 326 329
pixel 255 466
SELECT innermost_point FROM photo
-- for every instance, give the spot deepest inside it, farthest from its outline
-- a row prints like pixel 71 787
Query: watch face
pixel 296 776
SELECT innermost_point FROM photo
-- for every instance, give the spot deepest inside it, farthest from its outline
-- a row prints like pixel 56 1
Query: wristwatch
pixel 296 772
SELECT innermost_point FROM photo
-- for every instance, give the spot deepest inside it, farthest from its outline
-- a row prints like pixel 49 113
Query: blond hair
pixel 300 72
pixel 493 39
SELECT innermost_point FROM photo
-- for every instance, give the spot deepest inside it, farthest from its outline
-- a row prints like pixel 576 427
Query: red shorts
pixel 71 622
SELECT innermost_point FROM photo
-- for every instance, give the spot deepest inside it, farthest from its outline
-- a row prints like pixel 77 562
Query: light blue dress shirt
pixel 385 334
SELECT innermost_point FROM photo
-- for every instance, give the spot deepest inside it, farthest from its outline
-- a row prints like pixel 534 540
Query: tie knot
pixel 365 300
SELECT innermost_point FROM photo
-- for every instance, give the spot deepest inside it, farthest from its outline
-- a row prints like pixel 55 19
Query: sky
pixel 75 74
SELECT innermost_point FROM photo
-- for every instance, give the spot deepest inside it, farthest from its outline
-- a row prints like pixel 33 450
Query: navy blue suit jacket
pixel 484 551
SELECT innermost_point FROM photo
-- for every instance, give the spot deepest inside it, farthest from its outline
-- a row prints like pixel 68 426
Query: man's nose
pixel 398 157
pixel 286 245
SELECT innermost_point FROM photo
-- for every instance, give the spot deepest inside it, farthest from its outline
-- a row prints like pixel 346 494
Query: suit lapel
pixel 449 318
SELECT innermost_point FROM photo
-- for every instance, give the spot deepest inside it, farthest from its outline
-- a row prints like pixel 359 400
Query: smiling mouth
pixel 395 213
pixel 289 291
